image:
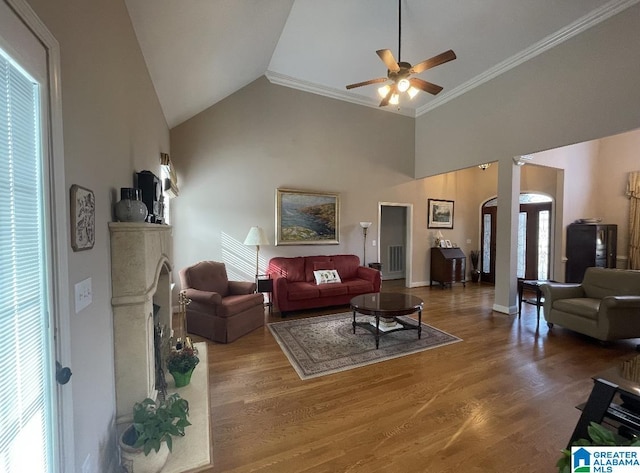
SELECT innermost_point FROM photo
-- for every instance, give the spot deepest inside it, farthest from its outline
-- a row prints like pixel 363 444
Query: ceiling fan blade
pixel 387 98
pixel 387 57
pixel 426 86
pixel 433 62
pixel 367 82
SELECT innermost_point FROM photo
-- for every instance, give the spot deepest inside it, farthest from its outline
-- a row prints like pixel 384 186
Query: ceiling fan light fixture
pixel 403 85
pixel 383 91
pixel 400 73
pixel 412 92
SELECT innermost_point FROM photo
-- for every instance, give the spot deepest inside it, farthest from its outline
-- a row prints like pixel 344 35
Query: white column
pixel 507 237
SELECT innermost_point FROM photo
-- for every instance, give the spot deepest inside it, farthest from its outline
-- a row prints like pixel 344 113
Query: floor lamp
pixel 365 226
pixel 256 237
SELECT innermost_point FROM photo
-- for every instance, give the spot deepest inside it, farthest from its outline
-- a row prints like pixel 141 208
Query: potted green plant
pixel 146 444
pixel 181 364
pixel 475 272
pixel 598 436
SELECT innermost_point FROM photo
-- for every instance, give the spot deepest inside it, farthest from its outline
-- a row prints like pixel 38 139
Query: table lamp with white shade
pixel 256 237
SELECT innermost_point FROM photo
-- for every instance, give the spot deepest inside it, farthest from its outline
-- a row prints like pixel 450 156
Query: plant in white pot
pixel 145 445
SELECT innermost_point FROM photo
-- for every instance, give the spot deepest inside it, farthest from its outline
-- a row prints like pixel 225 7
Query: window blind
pixel 25 442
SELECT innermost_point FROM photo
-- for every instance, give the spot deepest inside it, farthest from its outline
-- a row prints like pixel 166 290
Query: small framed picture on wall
pixel 440 214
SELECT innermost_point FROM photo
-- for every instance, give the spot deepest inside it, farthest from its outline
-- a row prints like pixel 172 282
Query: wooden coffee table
pixel 386 308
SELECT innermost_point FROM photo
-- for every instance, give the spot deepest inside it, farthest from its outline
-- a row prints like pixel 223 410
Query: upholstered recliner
pixel 220 310
pixel 605 306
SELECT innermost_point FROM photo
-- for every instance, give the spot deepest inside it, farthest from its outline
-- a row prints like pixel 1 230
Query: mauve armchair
pixel 220 310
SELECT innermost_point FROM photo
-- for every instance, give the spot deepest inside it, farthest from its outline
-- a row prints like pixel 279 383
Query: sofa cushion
pixel 602 282
pixel 290 268
pixel 358 286
pixel 302 290
pixel 310 266
pixel 209 276
pixel 584 307
pixel 347 265
pixel 320 265
pixel 332 290
pixel 233 305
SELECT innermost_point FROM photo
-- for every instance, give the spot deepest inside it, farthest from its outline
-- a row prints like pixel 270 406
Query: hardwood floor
pixel 500 401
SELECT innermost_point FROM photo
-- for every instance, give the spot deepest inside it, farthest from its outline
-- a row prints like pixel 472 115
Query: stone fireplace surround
pixel 141 264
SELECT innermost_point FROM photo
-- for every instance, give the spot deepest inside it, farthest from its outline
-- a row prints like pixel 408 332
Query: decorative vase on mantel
pixel 130 208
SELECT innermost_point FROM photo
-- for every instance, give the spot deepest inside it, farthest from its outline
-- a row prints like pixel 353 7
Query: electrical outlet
pixel 84 294
pixel 373 243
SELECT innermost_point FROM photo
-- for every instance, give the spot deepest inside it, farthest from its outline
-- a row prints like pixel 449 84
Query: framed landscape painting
pixel 440 214
pixel 307 218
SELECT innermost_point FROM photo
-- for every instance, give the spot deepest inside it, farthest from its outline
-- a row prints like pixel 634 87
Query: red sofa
pixel 294 286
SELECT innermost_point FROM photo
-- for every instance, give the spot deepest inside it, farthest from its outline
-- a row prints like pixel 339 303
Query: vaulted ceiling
pixel 200 51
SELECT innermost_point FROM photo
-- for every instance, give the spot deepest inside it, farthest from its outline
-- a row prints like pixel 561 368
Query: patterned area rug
pixel 317 346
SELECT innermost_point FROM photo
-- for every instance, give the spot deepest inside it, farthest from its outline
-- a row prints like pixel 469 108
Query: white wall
pixel 113 127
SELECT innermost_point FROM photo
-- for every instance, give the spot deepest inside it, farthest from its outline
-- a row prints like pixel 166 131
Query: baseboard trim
pixel 509 310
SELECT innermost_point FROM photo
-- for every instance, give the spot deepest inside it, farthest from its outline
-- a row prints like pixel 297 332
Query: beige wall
pixel 233 156
pixel 113 127
pixel 594 178
pixel 580 90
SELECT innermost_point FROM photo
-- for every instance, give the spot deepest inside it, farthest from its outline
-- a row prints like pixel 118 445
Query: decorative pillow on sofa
pixel 326 276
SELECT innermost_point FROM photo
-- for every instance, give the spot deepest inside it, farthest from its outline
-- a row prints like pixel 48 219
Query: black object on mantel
pixel 151 195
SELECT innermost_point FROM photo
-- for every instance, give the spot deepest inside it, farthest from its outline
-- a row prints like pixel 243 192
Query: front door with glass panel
pixel 534 238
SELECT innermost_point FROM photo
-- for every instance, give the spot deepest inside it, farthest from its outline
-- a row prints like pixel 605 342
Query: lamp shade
pixel 256 237
pixel 365 224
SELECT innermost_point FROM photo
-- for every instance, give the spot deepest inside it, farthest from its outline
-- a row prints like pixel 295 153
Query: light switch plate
pixel 84 294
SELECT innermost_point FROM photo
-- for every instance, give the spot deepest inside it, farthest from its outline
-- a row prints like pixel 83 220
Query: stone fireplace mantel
pixel 141 264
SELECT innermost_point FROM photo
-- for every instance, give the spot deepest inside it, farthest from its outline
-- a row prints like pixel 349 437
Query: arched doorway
pixel 534 237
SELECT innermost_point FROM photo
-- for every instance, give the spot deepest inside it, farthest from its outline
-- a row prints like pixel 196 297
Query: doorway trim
pixel 408 238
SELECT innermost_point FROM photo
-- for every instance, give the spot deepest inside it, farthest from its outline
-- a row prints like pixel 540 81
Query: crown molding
pixel 292 82
pixel 593 18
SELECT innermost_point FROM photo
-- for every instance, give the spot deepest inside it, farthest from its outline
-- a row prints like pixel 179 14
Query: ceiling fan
pixel 400 73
